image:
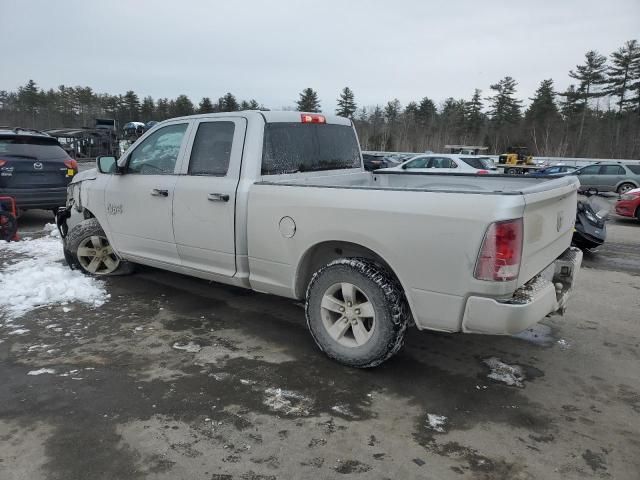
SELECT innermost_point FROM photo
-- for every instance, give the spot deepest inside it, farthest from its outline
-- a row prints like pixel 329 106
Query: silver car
pixel 610 177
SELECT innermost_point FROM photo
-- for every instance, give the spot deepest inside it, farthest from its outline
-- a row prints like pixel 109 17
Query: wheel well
pixel 87 214
pixel 323 253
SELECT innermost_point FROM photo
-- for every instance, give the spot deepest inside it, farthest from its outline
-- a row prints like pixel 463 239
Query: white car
pixel 279 202
pixel 446 163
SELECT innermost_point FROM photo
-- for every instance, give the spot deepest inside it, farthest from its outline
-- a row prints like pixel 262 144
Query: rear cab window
pixel 481 163
pixel 31 147
pixel 291 147
pixel 634 169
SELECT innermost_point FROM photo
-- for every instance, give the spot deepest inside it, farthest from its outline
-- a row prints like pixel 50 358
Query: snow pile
pixel 287 401
pixel 502 372
pixel 436 422
pixel 187 347
pixel 41 371
pixel 41 279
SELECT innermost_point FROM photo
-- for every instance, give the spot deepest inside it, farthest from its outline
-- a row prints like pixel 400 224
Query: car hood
pixel 85 175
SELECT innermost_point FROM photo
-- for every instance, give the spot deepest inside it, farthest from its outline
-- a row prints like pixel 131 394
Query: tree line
pixel 596 116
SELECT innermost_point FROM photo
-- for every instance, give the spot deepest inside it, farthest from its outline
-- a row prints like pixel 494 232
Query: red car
pixel 629 204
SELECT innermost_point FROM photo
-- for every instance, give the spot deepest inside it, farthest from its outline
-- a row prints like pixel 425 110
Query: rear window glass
pixel 31 147
pixel 304 147
pixel 481 163
pixel 634 168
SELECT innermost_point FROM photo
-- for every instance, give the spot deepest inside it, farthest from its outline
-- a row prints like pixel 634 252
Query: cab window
pixel 212 149
pixel 158 153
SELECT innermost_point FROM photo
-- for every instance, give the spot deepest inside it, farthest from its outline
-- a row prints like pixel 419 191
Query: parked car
pixel 609 177
pixel 447 163
pixel 554 170
pixel 374 162
pixel 34 169
pixel 279 202
pixel 629 204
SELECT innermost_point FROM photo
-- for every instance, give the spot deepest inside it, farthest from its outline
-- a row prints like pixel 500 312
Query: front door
pixel 139 201
pixel 205 197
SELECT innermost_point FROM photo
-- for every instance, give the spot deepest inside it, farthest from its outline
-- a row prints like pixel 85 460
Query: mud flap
pixel 62 215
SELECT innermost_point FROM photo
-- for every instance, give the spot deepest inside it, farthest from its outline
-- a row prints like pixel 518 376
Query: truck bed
pixel 429 182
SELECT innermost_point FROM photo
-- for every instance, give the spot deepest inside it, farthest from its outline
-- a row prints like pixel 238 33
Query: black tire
pixel 75 237
pixel 625 187
pixel 382 290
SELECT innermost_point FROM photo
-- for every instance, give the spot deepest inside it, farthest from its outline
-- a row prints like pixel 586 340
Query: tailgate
pixel 549 217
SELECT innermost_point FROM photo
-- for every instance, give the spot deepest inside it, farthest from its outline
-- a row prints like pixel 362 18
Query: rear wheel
pixel 625 187
pixel 89 249
pixel 356 312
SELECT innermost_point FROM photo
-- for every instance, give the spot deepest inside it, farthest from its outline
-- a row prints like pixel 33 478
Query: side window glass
pixel 212 149
pixel 417 163
pixel 158 154
pixel 611 170
pixel 439 162
pixel 591 170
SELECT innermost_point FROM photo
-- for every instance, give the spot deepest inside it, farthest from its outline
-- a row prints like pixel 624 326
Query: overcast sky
pixel 271 50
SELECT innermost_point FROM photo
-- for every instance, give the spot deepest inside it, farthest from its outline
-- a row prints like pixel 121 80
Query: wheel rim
pixel 624 188
pixel 96 256
pixel 347 315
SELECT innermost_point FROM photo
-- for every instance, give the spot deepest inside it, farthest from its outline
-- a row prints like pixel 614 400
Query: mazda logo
pixel 37 165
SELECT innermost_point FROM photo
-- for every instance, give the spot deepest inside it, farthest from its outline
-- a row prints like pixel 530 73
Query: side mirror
pixel 404 167
pixel 106 164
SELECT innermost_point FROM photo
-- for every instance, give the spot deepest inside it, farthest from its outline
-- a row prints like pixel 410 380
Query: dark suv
pixel 34 169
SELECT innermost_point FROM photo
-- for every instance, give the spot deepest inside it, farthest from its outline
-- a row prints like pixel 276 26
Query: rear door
pixel 443 165
pixel 610 176
pixel 205 196
pixel 33 162
pixel 589 176
pixel 139 202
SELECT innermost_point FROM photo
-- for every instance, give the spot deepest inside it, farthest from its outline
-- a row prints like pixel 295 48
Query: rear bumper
pixel 627 208
pixel 545 294
pixel 45 198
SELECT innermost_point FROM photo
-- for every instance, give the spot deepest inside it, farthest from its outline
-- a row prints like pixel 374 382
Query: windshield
pixel 304 147
pixel 43 148
pixel 478 162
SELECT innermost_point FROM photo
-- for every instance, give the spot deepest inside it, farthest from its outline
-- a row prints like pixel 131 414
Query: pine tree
pixel 542 116
pixel 346 103
pixel 28 100
pixel 620 75
pixel 131 106
pixel 427 112
pixel 228 103
pixel 181 106
pixel 474 118
pixel 392 110
pixel 308 101
pixel 504 111
pixel 147 109
pixel 162 109
pixel 590 76
pixel 205 105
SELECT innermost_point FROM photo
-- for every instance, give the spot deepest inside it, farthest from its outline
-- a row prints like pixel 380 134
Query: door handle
pixel 218 197
pixel 156 192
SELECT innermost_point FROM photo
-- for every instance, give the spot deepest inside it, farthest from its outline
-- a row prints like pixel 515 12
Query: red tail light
pixel 2 162
pixel 501 252
pixel 312 118
pixel 482 172
pixel 71 163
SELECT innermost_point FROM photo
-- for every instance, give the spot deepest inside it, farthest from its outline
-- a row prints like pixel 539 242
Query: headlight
pixel 590 216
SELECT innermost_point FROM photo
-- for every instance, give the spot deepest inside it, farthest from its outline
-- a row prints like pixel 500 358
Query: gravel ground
pixel 177 378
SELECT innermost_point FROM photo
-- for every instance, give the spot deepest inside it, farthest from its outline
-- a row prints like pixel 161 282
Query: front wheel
pixel 625 187
pixel 88 248
pixel 356 312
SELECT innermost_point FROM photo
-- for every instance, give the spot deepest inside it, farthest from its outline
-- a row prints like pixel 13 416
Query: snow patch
pixel 19 331
pixel 287 402
pixel 510 374
pixel 436 422
pixel 190 347
pixel 42 371
pixel 42 280
pixel 539 334
pixel 342 410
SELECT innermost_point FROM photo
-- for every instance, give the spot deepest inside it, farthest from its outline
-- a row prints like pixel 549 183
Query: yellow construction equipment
pixel 515 159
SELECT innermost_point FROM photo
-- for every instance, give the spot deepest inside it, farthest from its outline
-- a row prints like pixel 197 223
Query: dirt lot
pixel 175 378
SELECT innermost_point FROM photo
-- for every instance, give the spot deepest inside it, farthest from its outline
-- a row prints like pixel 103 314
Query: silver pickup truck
pixel 279 202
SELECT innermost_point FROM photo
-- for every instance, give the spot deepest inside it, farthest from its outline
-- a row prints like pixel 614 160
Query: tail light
pixel 501 252
pixel 312 118
pixel 2 162
pixel 71 164
pixel 482 172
